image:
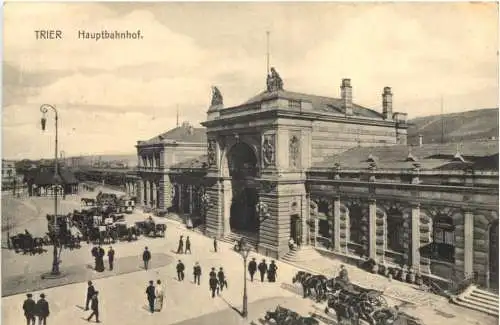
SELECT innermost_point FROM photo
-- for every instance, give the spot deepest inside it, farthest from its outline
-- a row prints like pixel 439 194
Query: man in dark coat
pixel 215 244
pixel 29 307
pixel 180 270
pixel 111 257
pixel 94 305
pixel 252 268
pixel 188 246
pixel 95 253
pixel 100 259
pixel 42 310
pixel 262 270
pixel 90 293
pixel 146 257
pixel 271 273
pixel 151 294
pixel 197 273
pixel 180 248
pixel 212 273
pixel 213 285
pixel 222 279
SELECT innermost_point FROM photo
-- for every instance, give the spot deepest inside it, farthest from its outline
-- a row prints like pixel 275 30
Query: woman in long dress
pixel 160 294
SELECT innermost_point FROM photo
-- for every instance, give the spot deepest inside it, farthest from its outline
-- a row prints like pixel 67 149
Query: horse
pixel 286 316
pixel 345 310
pixel 310 281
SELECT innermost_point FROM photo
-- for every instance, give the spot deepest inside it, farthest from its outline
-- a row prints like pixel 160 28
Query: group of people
pixel 180 247
pixel 264 269
pixel 34 309
pixel 98 254
pixel 217 280
pixel 155 296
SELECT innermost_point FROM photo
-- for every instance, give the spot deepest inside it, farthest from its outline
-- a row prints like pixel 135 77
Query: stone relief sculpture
pixel 294 152
pixel 274 81
pixel 211 153
pixel 268 150
pixel 217 98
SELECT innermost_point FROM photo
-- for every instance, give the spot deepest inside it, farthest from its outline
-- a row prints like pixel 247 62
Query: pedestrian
pixel 213 285
pixel 151 295
pixel 222 279
pixel 160 294
pixel 180 271
pixel 29 307
pixel 197 273
pixel 252 268
pixel 212 273
pixel 180 247
pixel 215 244
pixel 111 257
pixel 188 245
pixel 95 253
pixel 90 293
pixel 100 259
pixel 271 273
pixel 42 310
pixel 262 269
pixel 94 306
pixel 146 257
pixel 343 274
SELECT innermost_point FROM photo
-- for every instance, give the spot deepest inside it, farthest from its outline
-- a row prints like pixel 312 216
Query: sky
pixel 112 93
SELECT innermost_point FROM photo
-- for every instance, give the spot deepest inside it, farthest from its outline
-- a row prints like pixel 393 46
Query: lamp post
pixel 245 250
pixel 44 109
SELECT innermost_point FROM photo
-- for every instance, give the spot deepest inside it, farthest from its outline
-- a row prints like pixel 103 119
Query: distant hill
pixel 470 125
pixel 128 159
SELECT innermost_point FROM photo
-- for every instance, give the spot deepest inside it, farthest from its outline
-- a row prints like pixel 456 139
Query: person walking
pixel 215 244
pixel 262 269
pixel 197 273
pixel 111 257
pixel 180 270
pixel 188 246
pixel 212 273
pixel 90 293
pixel 29 307
pixel 213 285
pixel 160 294
pixel 180 247
pixel 146 257
pixel 222 279
pixel 42 310
pixel 151 295
pixel 252 268
pixel 94 306
pixel 271 273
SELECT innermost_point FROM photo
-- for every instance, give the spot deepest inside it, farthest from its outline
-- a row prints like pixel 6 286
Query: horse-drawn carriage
pixel 285 316
pixel 26 243
pixel 152 228
pixel 126 230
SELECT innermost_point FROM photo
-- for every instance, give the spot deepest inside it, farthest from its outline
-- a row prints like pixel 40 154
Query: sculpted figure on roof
pixel 217 98
pixel 274 81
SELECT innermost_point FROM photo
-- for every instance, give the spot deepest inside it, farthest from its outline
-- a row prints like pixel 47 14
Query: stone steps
pixel 232 238
pixel 301 255
pixel 479 300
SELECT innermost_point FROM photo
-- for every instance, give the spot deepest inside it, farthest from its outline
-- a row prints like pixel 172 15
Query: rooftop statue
pixel 217 98
pixel 274 81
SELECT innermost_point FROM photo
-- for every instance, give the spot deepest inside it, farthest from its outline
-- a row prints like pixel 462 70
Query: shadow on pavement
pixel 24 283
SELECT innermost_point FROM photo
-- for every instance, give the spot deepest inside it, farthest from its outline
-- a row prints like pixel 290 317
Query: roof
pixel 195 163
pixel 319 103
pixel 183 133
pixel 480 155
pixel 45 176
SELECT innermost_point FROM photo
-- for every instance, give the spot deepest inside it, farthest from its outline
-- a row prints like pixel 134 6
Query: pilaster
pixel 468 243
pixel 336 224
pixel 180 188
pixel 227 196
pixel 146 193
pixel 415 237
pixel 190 188
pixel 372 229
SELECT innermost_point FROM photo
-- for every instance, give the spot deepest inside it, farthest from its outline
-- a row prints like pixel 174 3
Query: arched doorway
pixel 493 256
pixel 242 163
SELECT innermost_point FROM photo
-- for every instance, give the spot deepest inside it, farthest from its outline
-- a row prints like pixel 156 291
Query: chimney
pixel 346 95
pixel 387 103
pixel 420 140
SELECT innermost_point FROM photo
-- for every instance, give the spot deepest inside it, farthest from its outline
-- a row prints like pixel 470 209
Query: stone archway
pixel 242 168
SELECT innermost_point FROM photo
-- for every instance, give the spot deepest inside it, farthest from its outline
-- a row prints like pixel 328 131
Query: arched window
pixel 395 239
pixel 443 238
pixel 355 216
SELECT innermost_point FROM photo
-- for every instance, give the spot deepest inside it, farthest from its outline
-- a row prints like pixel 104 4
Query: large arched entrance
pixel 242 163
pixel 493 256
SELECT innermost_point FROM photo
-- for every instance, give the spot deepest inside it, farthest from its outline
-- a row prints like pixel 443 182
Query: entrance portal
pixel 493 256
pixel 296 229
pixel 243 214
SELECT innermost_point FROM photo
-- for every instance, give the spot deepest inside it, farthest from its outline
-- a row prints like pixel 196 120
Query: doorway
pixel 296 229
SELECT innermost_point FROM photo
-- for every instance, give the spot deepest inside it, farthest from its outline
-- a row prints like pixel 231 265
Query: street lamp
pixel 245 250
pixel 44 109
